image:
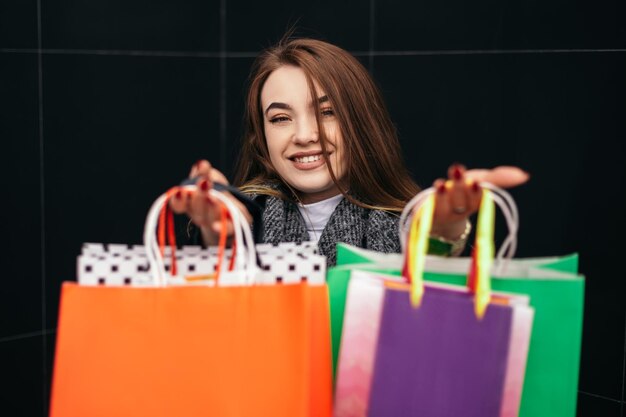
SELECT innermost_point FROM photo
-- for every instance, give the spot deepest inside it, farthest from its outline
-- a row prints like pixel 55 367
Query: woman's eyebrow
pixel 276 105
pixel 285 106
pixel 320 100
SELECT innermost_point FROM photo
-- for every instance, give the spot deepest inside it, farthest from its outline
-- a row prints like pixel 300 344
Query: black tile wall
pixel 138 25
pixel 238 70
pixel 20 298
pixel 48 367
pixel 458 25
pixel 22 378
pixel 443 25
pixel 119 131
pixel 18 24
pixel 563 24
pixel 602 361
pixel 602 355
pixel 252 25
pixel 446 108
pixel 593 406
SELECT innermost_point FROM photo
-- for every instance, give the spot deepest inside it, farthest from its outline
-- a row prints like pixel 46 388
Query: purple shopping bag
pixel 440 360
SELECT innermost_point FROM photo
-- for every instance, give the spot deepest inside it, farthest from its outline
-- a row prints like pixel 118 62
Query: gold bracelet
pixel 457 245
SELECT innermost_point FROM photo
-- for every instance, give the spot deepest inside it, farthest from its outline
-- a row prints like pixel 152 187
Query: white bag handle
pixel 500 197
pixel 245 258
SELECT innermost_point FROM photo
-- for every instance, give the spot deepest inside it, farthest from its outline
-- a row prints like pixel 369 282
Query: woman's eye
pixel 279 119
pixel 328 112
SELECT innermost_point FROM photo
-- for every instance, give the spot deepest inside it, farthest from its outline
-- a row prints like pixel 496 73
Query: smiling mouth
pixel 307 159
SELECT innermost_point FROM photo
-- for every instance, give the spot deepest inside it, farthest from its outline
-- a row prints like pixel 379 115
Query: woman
pixel 321 155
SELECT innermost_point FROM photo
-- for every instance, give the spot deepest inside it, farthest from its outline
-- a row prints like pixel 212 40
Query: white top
pixel 316 215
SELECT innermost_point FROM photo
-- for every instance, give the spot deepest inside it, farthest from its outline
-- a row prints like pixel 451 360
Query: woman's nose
pixel 306 130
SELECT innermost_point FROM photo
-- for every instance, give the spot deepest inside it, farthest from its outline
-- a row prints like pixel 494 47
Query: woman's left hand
pixel 459 197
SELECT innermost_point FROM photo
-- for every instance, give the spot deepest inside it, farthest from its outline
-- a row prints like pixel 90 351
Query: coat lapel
pixel 347 225
pixel 282 222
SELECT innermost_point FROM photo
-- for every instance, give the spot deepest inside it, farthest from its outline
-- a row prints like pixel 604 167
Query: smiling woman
pixel 349 127
pixel 321 156
pixel 293 138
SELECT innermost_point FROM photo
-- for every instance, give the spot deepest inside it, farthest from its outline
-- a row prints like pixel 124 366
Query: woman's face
pixel 292 134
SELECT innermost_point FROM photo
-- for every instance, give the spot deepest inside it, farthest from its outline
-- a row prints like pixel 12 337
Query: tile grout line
pixel 27 335
pixel 173 54
pixel 491 52
pixel 222 78
pixel 600 396
pixel 44 343
pixel 225 54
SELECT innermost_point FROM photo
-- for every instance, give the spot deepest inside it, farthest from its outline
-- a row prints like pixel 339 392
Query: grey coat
pixel 365 228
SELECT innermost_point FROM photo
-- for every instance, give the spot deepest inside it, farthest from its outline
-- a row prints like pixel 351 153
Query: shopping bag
pixel 119 264
pixel 398 360
pixel 174 347
pixel 556 293
pixel 423 355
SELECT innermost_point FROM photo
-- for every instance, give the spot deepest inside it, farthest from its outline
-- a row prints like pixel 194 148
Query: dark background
pixel 105 104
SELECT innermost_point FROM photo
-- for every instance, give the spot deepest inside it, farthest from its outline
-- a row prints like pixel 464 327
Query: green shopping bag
pixel 556 292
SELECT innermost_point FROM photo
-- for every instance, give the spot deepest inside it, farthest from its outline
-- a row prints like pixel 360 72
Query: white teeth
pixel 308 159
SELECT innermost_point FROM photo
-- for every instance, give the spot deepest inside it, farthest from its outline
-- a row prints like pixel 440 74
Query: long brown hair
pixel 374 168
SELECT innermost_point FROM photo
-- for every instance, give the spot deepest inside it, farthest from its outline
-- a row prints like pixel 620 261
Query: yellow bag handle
pixel 479 279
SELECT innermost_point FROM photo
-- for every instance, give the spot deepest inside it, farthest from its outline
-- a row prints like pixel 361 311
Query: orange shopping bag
pixel 180 350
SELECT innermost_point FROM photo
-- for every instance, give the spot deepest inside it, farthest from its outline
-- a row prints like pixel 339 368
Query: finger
pixel 204 184
pixel 456 171
pixel 474 194
pixel 239 206
pixel 445 222
pixel 216 227
pixel 442 203
pixel 202 206
pixel 457 191
pixel 194 169
pixel 178 202
pixel 201 168
pixel 217 176
pixel 502 176
pixel 199 210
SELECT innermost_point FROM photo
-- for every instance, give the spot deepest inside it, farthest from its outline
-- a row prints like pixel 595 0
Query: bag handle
pixel 422 208
pixel 166 234
pixel 254 208
pixel 244 258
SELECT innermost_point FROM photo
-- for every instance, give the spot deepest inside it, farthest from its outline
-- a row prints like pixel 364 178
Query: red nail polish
pixel 204 185
pixel 475 187
pixel 178 194
pixel 457 174
pixel 441 188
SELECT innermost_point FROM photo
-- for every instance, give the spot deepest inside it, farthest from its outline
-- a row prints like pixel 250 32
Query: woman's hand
pixel 459 197
pixel 202 209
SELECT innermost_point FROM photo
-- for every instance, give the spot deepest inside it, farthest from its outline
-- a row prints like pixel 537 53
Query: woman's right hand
pixel 204 210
